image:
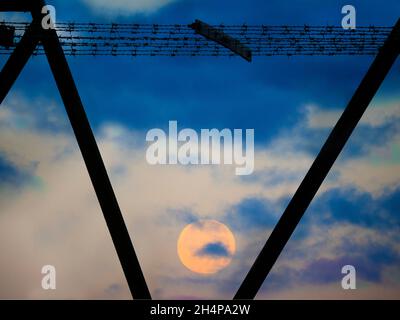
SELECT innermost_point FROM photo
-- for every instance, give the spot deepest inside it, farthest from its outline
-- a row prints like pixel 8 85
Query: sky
pixel 49 213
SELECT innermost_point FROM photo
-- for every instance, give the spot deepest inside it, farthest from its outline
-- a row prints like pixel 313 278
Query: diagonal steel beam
pixel 321 166
pixel 82 130
pixel 17 60
pixel 95 166
pixel 93 160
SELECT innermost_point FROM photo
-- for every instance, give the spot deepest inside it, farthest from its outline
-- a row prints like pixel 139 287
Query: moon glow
pixel 206 246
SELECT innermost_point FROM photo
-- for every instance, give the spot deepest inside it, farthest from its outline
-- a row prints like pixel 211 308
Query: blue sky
pixel 291 103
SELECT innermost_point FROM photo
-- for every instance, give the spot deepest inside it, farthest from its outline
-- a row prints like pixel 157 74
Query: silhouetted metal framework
pixel 219 36
pixel 340 134
pixel 81 127
pixel 201 39
pixel 321 166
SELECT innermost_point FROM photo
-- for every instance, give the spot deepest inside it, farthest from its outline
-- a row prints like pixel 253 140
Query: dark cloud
pixel 252 213
pixel 113 289
pixel 323 271
pixel 214 249
pixel 10 174
pixel 357 208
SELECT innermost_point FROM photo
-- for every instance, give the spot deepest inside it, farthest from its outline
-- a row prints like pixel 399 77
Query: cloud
pixel 59 221
pixel 253 213
pixel 215 249
pixel 378 114
pixel 333 291
pixel 126 7
pixel 370 161
pixel 317 259
pixel 328 270
pixel 61 224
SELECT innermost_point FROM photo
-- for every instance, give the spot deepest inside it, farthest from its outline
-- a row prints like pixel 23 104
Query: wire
pixel 117 39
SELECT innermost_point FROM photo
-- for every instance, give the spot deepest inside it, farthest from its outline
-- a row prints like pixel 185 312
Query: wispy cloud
pixel 377 115
pixel 126 7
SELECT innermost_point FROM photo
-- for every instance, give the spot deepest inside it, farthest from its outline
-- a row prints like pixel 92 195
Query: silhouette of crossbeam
pixel 200 39
pixel 98 174
pixel 222 38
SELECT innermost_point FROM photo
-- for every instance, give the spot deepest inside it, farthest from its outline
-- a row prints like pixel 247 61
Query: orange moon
pixel 206 246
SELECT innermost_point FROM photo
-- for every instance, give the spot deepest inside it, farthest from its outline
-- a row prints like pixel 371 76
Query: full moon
pixel 206 246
